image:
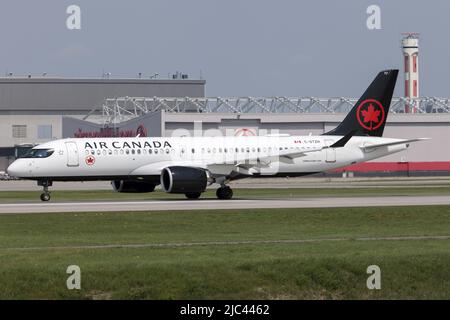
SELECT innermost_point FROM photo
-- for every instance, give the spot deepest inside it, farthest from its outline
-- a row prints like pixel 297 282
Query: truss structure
pixel 125 108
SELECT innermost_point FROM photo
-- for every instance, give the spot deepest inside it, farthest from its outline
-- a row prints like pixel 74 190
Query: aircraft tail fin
pixel 368 116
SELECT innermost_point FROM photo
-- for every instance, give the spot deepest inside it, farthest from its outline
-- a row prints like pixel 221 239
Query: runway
pixel 252 183
pixel 208 204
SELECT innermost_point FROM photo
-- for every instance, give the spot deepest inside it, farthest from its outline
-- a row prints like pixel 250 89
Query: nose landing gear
pixel 45 196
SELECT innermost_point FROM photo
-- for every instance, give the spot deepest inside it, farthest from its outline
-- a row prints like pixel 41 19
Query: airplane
pixel 188 165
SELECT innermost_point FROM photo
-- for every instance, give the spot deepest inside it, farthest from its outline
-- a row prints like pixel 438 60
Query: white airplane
pixel 188 165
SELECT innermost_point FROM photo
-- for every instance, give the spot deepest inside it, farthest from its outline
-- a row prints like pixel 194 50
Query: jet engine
pixel 132 186
pixel 179 179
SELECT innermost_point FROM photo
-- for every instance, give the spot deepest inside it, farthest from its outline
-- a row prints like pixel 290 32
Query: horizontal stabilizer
pixel 387 144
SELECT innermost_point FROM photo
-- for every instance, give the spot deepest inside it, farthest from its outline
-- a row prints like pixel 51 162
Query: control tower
pixel 410 49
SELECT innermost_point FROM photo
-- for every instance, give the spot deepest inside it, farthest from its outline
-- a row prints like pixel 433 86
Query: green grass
pixel 317 270
pixel 93 195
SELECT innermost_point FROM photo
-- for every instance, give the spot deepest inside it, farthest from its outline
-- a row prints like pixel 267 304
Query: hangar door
pixel 72 154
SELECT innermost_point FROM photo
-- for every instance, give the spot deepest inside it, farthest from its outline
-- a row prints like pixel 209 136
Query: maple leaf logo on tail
pixel 370 114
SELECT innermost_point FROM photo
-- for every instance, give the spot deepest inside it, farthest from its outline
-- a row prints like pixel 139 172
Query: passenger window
pixel 121 151
pixel 193 150
pixel 127 151
pixel 104 152
pixel 167 151
pixel 133 151
pixel 110 152
pixel 149 151
pixel 98 152
pixel 156 151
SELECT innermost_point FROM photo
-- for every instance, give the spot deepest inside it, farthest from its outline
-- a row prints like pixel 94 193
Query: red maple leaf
pixel 370 115
pixel 90 160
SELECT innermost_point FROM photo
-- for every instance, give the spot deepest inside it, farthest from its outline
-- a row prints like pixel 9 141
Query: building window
pixel 19 131
pixel 44 132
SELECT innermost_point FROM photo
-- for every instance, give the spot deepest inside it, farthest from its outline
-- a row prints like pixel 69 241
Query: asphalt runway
pixel 175 204
pixel 252 183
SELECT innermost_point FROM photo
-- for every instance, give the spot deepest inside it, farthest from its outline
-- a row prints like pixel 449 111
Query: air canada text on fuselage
pixel 127 144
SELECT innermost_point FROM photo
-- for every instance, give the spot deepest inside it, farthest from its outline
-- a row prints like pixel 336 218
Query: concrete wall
pixel 44 101
pixel 66 95
pixel 32 122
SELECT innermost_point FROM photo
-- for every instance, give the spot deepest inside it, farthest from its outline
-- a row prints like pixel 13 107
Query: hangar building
pixel 32 108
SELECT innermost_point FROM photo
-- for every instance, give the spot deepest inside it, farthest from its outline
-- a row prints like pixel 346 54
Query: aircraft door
pixel 330 152
pixel 72 154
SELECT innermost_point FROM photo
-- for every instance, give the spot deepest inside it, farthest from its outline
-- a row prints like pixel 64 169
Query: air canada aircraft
pixel 187 165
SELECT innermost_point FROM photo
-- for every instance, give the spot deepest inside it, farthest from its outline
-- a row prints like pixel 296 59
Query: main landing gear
pixel 45 196
pixel 224 193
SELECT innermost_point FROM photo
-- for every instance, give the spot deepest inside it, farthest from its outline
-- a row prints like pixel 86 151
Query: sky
pixel 241 47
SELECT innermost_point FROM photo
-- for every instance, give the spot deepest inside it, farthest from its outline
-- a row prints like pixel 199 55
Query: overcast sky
pixel 241 47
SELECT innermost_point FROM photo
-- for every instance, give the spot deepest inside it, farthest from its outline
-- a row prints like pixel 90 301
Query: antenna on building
pixel 410 49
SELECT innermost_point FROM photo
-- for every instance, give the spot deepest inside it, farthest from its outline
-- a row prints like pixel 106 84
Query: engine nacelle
pixel 132 186
pixel 178 179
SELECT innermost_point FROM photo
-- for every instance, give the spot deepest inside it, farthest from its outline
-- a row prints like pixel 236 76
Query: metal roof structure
pixel 117 110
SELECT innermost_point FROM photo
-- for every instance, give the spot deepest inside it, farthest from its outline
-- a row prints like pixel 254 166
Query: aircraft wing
pixel 387 144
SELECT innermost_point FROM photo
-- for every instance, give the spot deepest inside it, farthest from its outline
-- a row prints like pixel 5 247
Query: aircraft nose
pixel 15 169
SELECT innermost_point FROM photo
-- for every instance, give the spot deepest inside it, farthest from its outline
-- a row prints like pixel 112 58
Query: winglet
pixel 343 141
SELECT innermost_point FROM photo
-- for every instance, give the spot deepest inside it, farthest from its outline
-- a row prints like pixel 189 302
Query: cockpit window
pixel 38 153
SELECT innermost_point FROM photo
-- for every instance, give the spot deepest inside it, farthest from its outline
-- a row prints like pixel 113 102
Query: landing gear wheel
pixel 45 196
pixel 224 193
pixel 192 195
